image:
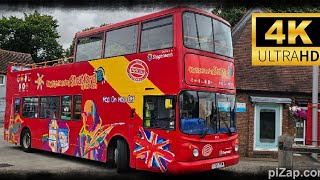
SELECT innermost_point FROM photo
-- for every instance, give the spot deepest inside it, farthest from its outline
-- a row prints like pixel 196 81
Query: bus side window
pixel 157 34
pixel 159 112
pixel 89 47
pixel 30 107
pixel 49 107
pixel 66 107
pixel 17 105
pixel 121 41
pixel 77 102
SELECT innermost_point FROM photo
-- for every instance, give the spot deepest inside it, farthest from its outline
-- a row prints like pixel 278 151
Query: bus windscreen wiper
pixel 205 132
pixel 229 130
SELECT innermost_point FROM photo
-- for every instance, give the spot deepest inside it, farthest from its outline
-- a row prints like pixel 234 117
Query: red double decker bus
pixel 154 93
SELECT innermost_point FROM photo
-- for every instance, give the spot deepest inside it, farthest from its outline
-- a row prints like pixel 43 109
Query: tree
pixel 35 34
pixel 233 14
pixel 230 14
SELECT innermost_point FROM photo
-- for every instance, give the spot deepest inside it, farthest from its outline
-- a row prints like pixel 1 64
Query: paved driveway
pixel 18 164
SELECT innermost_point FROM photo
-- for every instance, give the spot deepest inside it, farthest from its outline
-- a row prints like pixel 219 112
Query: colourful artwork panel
pixel 153 149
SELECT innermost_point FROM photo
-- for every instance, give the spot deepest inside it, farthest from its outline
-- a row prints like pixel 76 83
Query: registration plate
pixel 217 165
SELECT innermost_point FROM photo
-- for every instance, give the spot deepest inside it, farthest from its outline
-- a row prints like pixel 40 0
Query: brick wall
pixel 245 121
pixel 242 120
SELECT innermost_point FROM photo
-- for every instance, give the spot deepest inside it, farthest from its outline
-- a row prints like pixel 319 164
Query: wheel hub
pixel 26 140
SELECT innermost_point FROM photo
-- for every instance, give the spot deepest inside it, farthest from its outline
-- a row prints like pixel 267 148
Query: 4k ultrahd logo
pixel 285 39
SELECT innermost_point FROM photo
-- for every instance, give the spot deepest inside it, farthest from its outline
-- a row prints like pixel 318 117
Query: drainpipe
pixel 315 76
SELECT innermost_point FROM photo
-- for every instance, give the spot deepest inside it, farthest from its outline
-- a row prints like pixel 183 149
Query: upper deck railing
pixel 56 62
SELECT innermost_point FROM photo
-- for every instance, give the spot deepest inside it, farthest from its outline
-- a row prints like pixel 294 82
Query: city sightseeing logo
pixel 207 150
pixel 137 70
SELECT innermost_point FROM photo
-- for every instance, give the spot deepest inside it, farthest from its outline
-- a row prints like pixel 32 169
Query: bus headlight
pixel 236 145
pixel 195 152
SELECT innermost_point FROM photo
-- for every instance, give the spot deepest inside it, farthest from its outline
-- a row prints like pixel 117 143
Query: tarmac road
pixel 16 164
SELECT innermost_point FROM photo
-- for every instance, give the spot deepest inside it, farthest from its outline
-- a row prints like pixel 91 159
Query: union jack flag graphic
pixel 153 150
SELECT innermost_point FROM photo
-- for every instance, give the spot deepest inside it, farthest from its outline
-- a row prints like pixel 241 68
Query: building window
pixel 300 127
pixel 77 103
pixel 121 41
pixel 2 79
pixel 157 34
pixel 66 107
pixel 49 107
pixel 267 125
pixel 89 48
pixel 159 112
pixel 30 107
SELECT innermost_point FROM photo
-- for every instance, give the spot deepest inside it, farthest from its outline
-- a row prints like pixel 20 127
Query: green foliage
pixel 35 34
pixel 303 9
pixel 69 51
pixel 233 14
pixel 230 14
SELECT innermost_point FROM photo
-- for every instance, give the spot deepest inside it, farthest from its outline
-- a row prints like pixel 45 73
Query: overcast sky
pixel 72 20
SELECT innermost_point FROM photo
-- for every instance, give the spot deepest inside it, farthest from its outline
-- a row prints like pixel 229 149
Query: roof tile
pixel 12 56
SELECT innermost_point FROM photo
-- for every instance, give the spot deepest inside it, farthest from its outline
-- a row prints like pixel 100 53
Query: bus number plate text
pixel 217 165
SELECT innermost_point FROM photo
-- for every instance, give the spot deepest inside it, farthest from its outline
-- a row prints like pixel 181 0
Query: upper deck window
pixel 121 41
pixel 207 34
pixel 157 34
pixel 89 48
pixel 222 39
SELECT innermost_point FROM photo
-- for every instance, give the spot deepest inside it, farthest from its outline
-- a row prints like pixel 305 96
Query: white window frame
pixel 255 130
pixel 4 80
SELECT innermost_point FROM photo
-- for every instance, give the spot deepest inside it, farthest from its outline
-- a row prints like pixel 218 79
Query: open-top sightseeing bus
pixel 154 93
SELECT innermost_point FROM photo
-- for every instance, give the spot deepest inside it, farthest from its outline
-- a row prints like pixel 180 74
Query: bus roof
pixel 147 17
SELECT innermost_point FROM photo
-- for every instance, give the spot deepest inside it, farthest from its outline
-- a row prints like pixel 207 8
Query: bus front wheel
pixel 121 156
pixel 26 140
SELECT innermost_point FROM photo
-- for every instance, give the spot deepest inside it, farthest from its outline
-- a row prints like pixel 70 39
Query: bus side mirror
pixel 168 103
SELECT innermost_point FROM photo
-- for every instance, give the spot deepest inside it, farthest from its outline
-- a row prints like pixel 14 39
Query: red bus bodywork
pixel 112 107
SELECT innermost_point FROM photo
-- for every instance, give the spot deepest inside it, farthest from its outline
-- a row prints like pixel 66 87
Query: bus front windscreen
pixel 206 34
pixel 206 113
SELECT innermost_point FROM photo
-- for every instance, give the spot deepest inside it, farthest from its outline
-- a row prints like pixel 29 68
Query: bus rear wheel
pixel 121 156
pixel 26 140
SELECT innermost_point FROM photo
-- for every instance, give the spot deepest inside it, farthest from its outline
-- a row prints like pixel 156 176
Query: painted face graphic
pixel 90 117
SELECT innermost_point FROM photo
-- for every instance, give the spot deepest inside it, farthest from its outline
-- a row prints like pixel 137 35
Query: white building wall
pixel 2 99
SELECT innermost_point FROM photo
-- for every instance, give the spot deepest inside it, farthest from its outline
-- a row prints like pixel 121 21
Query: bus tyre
pixel 122 156
pixel 111 156
pixel 26 140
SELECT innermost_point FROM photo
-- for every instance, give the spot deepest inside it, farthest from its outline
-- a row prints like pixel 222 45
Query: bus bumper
pixel 201 165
